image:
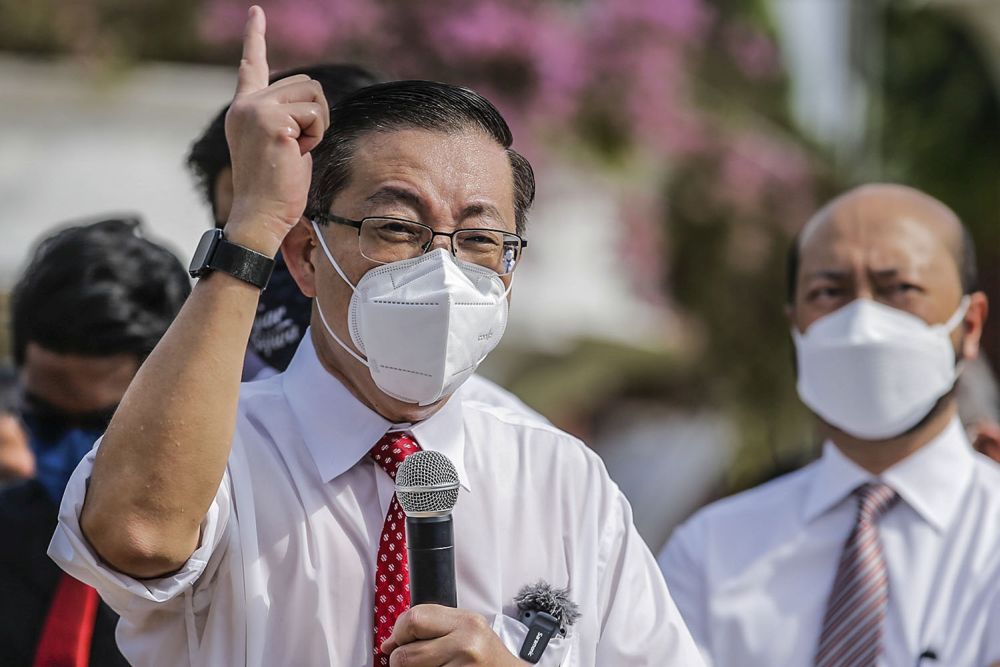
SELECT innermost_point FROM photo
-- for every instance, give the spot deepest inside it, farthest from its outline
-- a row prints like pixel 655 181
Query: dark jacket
pixel 28 580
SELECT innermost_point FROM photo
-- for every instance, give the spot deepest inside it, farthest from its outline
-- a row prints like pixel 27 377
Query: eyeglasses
pixel 385 240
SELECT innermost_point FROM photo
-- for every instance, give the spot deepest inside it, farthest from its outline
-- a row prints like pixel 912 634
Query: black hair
pixel 97 289
pixel 209 153
pixel 9 391
pixel 425 105
pixel 965 259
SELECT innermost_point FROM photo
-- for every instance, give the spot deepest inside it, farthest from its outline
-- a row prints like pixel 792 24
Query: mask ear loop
pixel 954 321
pixel 329 256
pixel 319 309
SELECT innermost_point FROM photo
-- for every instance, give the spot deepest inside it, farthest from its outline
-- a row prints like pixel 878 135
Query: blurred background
pixel 679 145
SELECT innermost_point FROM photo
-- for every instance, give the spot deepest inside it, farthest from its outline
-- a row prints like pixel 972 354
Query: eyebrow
pixel 482 209
pixel 834 274
pixel 828 274
pixel 396 195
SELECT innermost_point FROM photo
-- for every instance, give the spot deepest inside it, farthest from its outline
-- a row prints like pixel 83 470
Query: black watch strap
pixel 215 253
pixel 247 265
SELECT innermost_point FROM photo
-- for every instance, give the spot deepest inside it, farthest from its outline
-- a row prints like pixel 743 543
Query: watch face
pixel 204 251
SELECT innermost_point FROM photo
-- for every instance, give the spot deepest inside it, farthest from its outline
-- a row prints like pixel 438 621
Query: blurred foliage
pixel 104 31
pixel 943 129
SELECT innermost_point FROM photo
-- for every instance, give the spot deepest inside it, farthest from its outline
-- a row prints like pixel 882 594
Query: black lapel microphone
pixel 427 490
pixel 546 611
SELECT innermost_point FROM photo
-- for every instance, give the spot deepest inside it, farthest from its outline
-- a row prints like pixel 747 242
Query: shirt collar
pixel 932 480
pixel 339 430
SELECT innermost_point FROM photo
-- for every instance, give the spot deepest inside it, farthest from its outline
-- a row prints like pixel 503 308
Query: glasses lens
pixel 495 250
pixel 389 240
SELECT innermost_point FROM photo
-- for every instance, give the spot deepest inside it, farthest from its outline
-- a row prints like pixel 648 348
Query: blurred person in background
pixel 275 537
pixel 283 311
pixel 16 459
pixel 886 551
pixel 90 306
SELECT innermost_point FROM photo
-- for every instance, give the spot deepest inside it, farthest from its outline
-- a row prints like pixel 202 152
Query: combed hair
pixel 398 105
pixel 97 289
pixel 209 153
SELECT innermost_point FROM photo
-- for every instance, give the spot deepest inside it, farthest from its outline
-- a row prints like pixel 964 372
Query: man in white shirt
pixel 251 525
pixel 886 551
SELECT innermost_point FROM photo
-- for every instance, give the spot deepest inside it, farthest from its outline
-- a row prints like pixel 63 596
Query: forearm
pixel 164 454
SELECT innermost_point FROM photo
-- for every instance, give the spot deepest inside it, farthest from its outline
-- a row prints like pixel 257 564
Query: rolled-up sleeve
pixel 125 594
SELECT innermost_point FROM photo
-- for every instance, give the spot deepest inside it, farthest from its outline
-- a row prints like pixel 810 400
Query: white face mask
pixel 424 324
pixel 874 371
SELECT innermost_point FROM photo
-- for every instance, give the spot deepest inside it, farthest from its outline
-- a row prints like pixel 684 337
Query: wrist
pixel 256 233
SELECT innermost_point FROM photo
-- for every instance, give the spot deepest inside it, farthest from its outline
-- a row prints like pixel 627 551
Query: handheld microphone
pixel 427 490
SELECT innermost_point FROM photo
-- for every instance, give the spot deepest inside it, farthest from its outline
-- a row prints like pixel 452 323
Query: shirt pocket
pixel 512 632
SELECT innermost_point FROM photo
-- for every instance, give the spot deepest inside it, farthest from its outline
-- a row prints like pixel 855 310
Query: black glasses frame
pixel 330 217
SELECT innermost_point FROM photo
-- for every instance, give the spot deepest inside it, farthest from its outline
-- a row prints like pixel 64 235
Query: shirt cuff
pixel 71 551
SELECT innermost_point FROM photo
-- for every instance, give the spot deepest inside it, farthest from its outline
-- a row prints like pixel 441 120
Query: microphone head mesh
pixel 427 484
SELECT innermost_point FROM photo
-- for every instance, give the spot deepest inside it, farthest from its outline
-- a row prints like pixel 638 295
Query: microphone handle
pixel 430 548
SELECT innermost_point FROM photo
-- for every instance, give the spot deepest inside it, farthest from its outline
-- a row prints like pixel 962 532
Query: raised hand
pixel 270 130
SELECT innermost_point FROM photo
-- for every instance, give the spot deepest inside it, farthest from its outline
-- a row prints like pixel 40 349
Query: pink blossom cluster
pixel 615 75
pixel 546 63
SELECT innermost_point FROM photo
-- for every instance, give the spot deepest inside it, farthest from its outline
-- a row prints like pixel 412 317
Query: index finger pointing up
pixel 253 74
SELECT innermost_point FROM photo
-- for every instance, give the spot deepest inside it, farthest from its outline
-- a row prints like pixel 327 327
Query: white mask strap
pixel 319 309
pixel 329 255
pixel 329 330
pixel 959 315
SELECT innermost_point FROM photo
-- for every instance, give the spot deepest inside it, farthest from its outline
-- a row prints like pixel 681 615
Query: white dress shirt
pixel 751 574
pixel 284 572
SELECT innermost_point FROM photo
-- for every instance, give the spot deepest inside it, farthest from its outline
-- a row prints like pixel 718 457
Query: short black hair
pixel 965 259
pixel 397 105
pixel 97 289
pixel 209 153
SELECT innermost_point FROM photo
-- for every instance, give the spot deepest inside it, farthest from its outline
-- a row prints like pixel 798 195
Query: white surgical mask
pixel 422 324
pixel 874 371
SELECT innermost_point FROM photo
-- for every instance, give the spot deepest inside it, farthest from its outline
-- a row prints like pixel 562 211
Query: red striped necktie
pixel 855 610
pixel 392 576
pixel 69 626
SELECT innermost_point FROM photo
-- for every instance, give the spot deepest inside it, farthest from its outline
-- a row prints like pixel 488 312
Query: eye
pixel 481 239
pixel 825 292
pixel 397 230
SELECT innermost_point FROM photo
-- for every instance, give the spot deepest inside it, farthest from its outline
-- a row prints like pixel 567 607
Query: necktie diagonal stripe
pixel 855 611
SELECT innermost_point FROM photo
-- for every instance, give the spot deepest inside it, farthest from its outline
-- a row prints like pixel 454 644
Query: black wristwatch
pixel 215 253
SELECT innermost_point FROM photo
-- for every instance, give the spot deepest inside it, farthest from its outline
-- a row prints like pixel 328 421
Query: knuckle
pixel 474 623
pixel 415 617
pixel 401 657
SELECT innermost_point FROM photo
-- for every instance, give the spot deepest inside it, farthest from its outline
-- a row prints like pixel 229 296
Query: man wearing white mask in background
pixel 257 525
pixel 886 551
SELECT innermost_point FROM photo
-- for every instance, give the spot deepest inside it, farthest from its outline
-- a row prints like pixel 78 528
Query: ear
pixel 975 317
pixel 988 440
pixel 297 249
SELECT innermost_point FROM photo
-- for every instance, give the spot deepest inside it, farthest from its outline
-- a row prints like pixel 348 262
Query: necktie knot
pixel 391 450
pixel 874 500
